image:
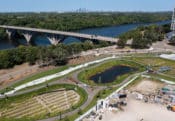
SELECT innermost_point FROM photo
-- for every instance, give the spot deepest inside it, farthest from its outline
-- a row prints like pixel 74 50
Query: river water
pixel 112 31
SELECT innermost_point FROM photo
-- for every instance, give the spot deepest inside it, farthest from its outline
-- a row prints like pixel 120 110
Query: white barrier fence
pixel 62 73
pixel 162 80
pixel 168 56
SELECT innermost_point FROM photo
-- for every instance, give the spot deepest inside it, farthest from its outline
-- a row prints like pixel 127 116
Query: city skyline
pixel 91 5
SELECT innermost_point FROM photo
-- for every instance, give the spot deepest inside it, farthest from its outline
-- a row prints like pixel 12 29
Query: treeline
pixel 50 55
pixel 76 21
pixel 143 36
pixel 3 35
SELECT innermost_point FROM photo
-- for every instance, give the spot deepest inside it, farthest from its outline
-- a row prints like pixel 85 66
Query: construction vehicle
pixel 171 108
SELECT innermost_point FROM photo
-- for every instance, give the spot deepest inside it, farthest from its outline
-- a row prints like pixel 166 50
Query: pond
pixel 111 74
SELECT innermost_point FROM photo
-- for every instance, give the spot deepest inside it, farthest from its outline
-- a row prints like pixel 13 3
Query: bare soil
pixel 147 86
pixel 81 59
pixel 140 111
pixel 8 76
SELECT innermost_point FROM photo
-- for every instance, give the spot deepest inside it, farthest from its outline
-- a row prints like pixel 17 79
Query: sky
pixel 91 5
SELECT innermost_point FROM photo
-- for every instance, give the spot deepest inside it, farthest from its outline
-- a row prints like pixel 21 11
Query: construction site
pixel 139 101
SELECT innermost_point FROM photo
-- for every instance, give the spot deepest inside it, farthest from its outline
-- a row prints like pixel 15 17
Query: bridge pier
pixel 55 39
pixel 27 36
pixel 9 33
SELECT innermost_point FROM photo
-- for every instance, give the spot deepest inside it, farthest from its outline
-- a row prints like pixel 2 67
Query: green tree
pixel 6 60
pixel 31 54
pixel 121 43
pixel 80 112
pixel 60 54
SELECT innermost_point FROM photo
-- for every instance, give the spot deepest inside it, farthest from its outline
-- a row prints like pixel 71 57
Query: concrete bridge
pixel 54 37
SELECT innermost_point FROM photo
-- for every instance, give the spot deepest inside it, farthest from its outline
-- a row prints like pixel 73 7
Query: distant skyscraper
pixel 82 10
pixel 173 23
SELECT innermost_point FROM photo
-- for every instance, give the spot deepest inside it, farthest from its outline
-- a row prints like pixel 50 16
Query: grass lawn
pixel 87 73
pixel 156 63
pixel 162 77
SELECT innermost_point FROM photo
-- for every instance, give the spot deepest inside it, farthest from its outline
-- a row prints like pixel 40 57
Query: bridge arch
pixel 69 40
pixel 40 39
pixel 16 37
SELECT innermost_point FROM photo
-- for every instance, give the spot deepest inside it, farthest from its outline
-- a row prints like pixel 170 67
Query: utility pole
pixel 173 23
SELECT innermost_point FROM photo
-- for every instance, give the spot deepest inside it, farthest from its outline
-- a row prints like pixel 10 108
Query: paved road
pixel 92 91
pixel 91 94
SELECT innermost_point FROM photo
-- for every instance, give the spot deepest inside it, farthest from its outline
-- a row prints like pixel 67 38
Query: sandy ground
pixel 160 46
pixel 8 76
pixel 137 110
pixel 147 86
pixel 81 59
pixel 163 45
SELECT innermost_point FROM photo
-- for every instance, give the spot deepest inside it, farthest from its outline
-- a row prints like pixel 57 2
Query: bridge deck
pixel 70 34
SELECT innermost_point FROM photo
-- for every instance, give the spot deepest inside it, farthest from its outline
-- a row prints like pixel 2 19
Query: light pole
pixel 173 23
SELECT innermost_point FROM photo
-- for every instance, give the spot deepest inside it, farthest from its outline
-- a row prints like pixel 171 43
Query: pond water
pixel 111 74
